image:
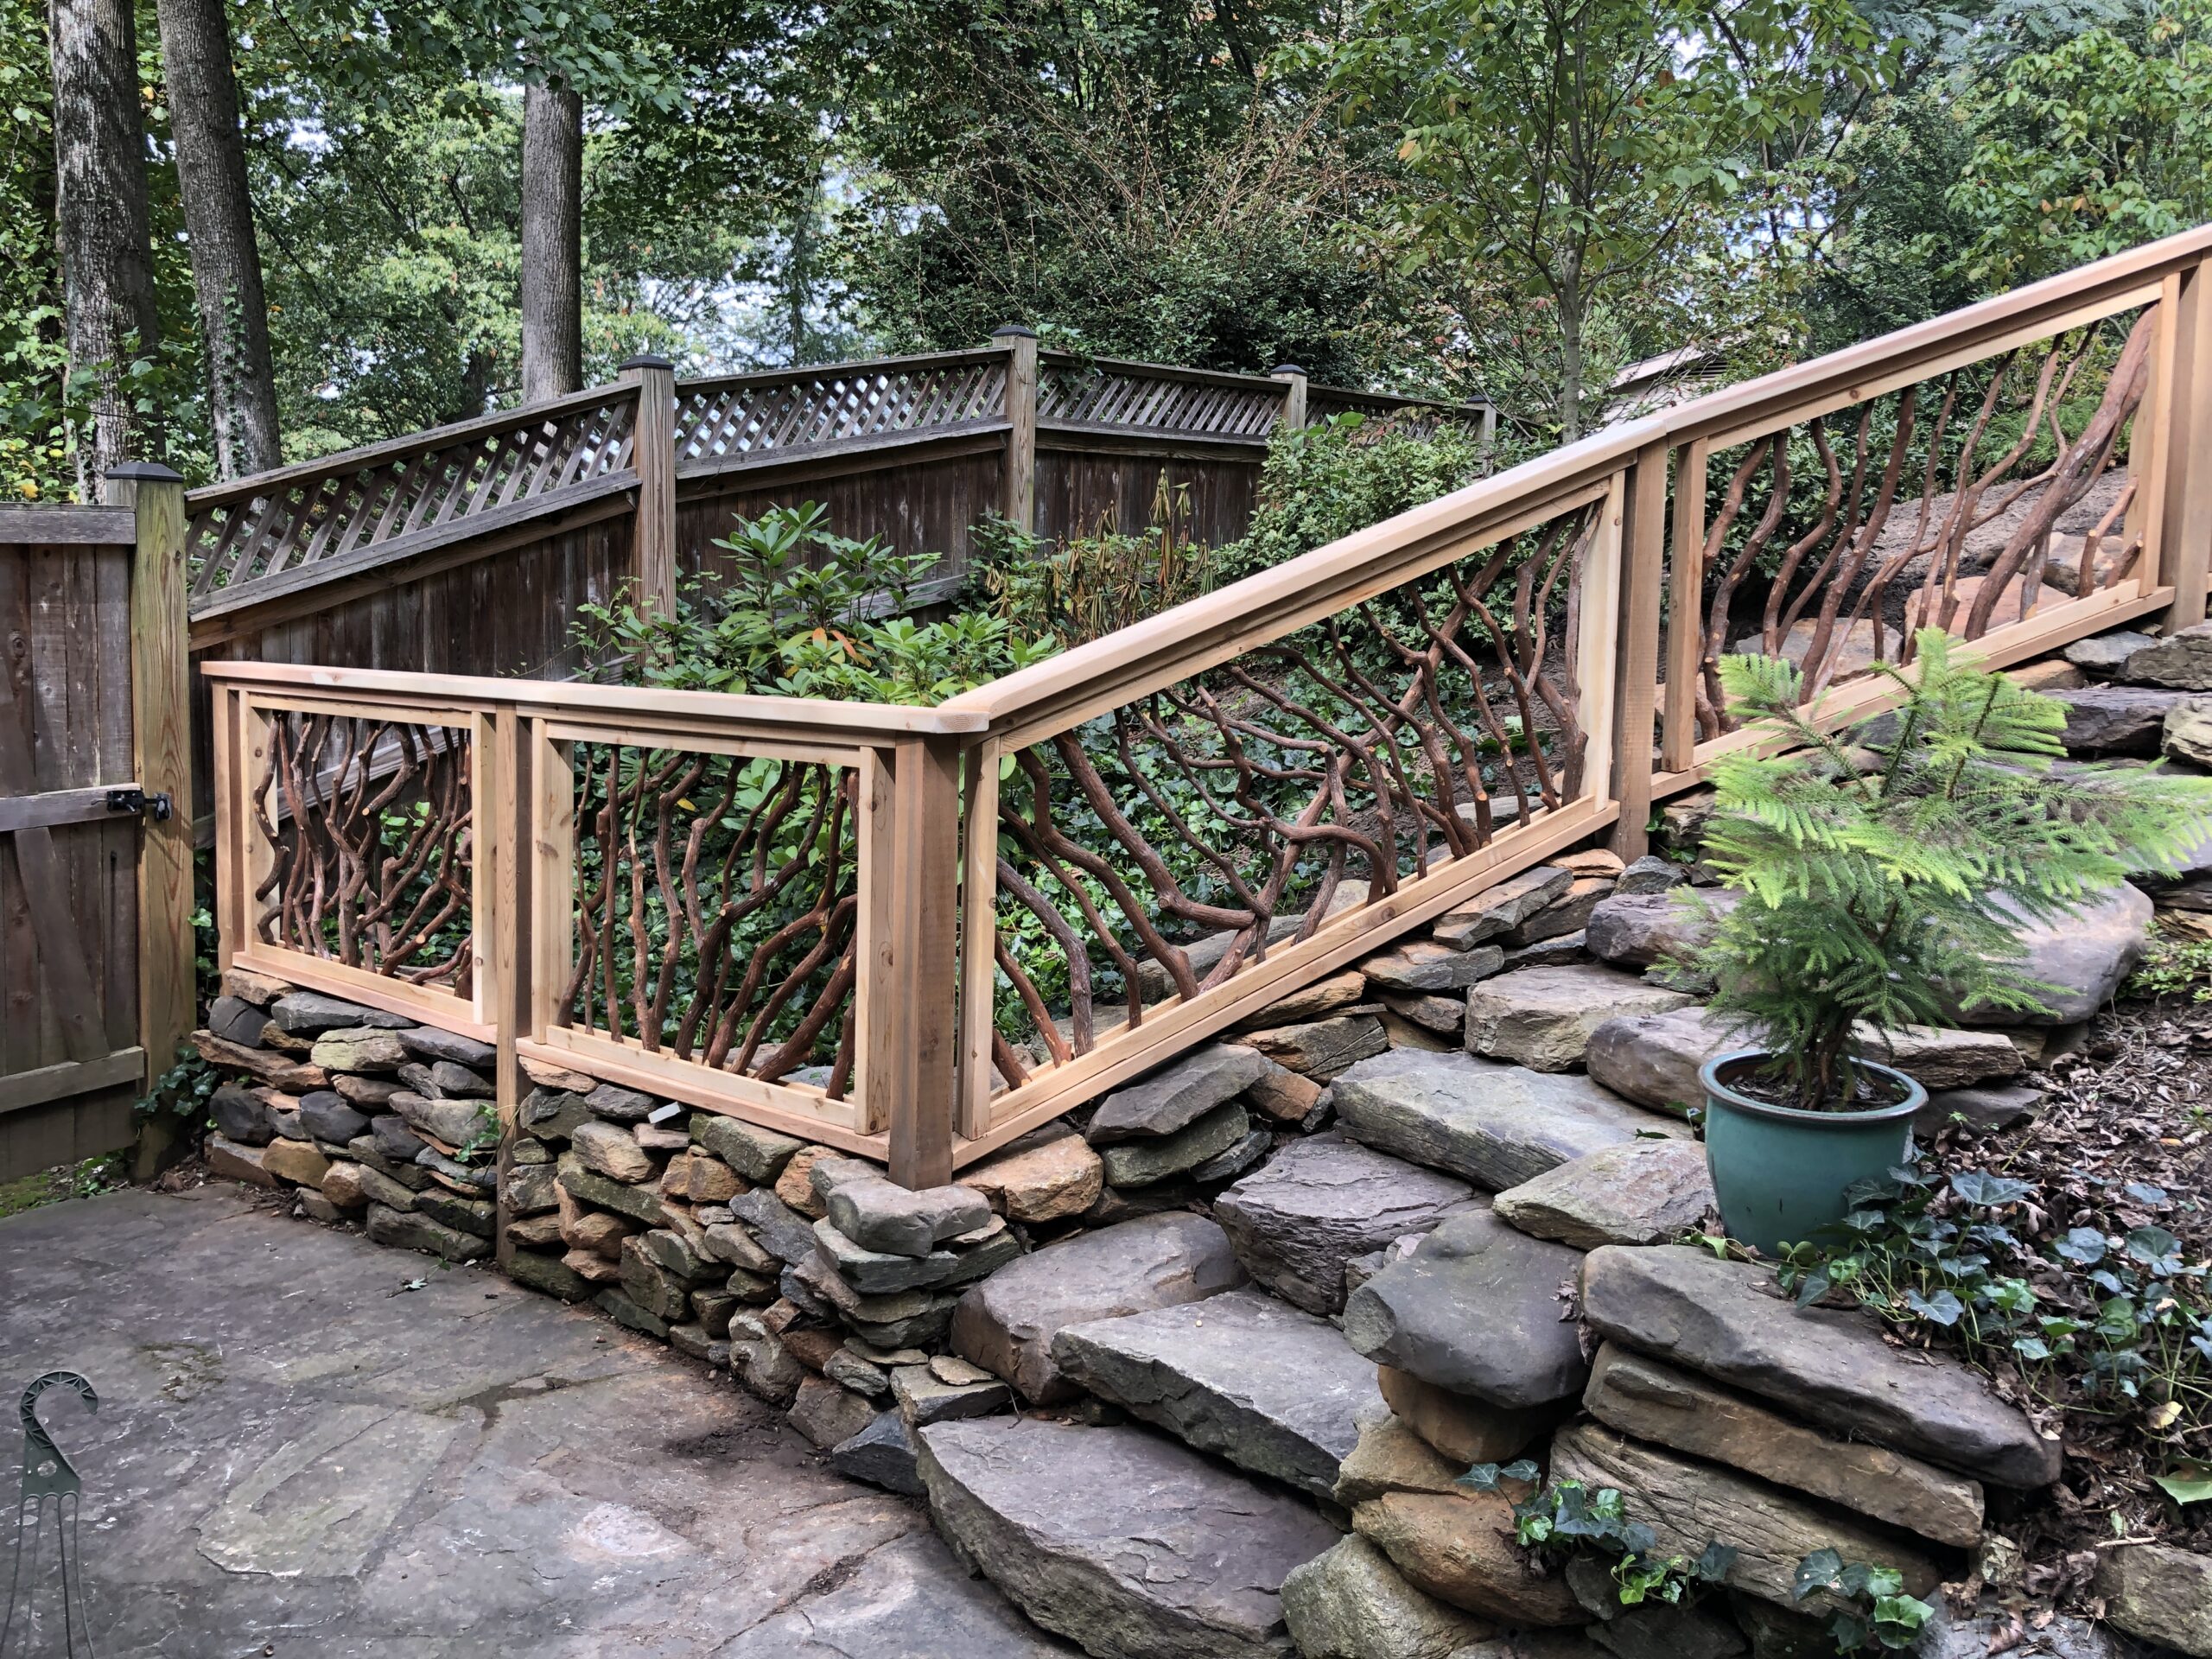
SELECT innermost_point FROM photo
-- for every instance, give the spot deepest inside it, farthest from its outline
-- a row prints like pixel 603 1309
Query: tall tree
pixel 1562 156
pixel 107 267
pixel 552 242
pixel 203 100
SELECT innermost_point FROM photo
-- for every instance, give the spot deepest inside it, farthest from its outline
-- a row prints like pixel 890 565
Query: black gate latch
pixel 134 799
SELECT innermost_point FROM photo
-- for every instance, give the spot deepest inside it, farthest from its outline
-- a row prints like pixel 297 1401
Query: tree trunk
pixel 107 265
pixel 552 243
pixel 203 95
pixel 1570 307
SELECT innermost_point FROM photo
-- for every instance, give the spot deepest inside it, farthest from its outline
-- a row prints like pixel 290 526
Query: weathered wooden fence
pixel 916 934
pixel 468 550
pixel 96 969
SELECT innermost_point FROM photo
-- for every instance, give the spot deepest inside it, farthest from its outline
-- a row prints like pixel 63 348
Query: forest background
pixel 275 228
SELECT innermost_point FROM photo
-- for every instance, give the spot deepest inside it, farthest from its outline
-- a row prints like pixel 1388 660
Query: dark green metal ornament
pixel 49 1478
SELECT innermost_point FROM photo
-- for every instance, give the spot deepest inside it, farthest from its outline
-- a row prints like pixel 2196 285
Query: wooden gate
pixel 96 987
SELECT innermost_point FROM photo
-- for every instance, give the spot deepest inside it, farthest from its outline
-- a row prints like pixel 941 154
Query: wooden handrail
pixel 1279 601
pixel 884 723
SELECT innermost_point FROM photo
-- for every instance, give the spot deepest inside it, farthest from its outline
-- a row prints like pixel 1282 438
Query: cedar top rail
pixel 1210 629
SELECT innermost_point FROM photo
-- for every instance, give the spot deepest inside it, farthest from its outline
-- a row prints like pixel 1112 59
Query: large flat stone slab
pixel 1491 1123
pixel 1459 1548
pixel 1641 1192
pixel 1725 1319
pixel 1645 929
pixel 1502 908
pixel 1269 1389
pixel 1133 1544
pixel 1006 1324
pixel 2082 956
pixel 1689 1504
pixel 1476 1309
pixel 1543 1017
pixel 1653 1058
pixel 1656 1402
pixel 1351 1604
pixel 1177 1095
pixel 2161 1593
pixel 2115 719
pixel 2181 660
pixel 1295 1221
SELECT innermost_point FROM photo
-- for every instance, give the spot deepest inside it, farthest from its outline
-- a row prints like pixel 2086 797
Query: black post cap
pixel 1013 331
pixel 645 360
pixel 151 471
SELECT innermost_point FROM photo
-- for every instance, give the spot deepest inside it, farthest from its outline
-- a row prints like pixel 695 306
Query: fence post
pixel 160 739
pixel 917 1032
pixel 652 453
pixel 502 809
pixel 1019 503
pixel 1292 418
pixel 1643 571
pixel 2187 518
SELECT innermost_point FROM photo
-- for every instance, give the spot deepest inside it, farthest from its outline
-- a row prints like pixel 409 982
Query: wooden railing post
pixel 1643 574
pixel 916 1035
pixel 1020 502
pixel 2186 520
pixel 501 808
pixel 161 743
pixel 1292 418
pixel 652 453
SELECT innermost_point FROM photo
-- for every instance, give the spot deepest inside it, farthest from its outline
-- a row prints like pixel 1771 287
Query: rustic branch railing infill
pixel 917 932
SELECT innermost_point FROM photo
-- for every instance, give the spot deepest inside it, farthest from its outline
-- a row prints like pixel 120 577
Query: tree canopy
pixel 1514 198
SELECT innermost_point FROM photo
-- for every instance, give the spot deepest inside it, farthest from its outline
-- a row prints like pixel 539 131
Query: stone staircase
pixel 1244 1415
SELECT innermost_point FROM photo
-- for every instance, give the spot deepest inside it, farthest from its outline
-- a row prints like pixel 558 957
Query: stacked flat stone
pixel 361 1114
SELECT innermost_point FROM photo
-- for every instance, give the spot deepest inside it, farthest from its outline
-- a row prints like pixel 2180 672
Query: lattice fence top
pixel 753 414
pixel 1137 398
pixel 303 515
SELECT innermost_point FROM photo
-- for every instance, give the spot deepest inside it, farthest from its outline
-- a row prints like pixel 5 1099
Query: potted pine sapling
pixel 1865 864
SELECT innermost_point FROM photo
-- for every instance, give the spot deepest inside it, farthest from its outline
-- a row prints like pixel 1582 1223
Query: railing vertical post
pixel 917 1032
pixel 161 746
pixel 1644 576
pixel 652 453
pixel 1292 418
pixel 2186 448
pixel 502 816
pixel 1019 503
pixel 979 843
pixel 1685 611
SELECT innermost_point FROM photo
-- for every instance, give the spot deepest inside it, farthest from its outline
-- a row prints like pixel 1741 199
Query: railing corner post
pixel 1293 419
pixel 1019 498
pixel 653 452
pixel 919 1034
pixel 161 685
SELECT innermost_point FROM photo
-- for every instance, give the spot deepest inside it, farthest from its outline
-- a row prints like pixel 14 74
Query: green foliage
pixel 1566 1518
pixel 2173 966
pixel 183 1090
pixel 805 612
pixel 2091 144
pixel 2111 1325
pixel 1867 872
pixel 1560 159
pixel 1342 474
pixel 1087 585
pixel 1879 1613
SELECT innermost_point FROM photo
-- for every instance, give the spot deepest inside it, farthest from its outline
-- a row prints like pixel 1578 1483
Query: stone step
pixel 1120 1538
pixel 1006 1324
pixel 1726 1320
pixel 1241 1375
pixel 1319 1203
pixel 1491 1123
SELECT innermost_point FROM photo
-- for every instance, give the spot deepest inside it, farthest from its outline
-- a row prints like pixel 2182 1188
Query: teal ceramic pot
pixel 1780 1174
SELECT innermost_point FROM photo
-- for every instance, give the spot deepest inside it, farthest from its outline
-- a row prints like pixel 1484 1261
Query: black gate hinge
pixel 136 800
